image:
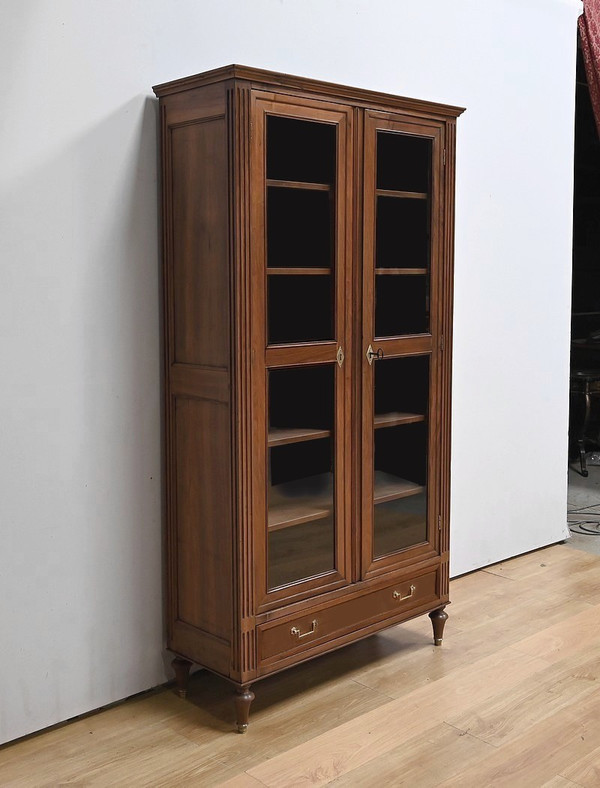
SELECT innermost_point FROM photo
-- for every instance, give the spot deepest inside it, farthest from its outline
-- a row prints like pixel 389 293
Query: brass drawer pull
pixel 398 595
pixel 296 632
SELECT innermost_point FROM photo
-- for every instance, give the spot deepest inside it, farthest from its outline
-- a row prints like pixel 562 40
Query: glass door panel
pixel 401 190
pixel 400 454
pixel 300 265
pixel 402 233
pixel 301 163
pixel 301 440
pixel 300 167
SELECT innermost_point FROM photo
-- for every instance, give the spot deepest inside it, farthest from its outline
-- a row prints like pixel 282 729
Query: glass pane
pixel 300 308
pixel 301 521
pixel 402 233
pixel 401 441
pixel 298 228
pixel 401 305
pixel 403 237
pixel 300 150
pixel 403 162
pixel 300 224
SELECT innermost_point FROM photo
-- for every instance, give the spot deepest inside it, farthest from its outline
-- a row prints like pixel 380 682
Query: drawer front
pixel 322 624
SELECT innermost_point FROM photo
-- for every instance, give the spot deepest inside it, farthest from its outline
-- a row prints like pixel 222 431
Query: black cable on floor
pixel 583 531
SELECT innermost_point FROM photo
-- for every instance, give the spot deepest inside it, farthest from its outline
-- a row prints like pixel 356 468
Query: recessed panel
pixel 202 500
pixel 200 280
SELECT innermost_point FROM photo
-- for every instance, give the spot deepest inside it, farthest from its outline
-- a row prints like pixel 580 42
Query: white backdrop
pixel 80 502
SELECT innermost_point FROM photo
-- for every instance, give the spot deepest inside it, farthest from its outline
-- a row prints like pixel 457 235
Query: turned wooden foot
pixel 438 619
pixel 243 698
pixel 182 674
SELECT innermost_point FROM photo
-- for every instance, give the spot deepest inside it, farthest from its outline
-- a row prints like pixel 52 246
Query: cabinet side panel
pixel 203 503
pixel 197 368
pixel 200 243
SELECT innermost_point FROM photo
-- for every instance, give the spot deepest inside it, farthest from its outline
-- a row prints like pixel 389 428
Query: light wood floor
pixel 511 698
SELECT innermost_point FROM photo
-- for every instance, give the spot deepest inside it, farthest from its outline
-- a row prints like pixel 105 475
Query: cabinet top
pixel 261 78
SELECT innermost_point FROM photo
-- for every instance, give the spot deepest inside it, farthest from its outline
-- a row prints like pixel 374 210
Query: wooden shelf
pixel 395 418
pixel 402 195
pixel 279 436
pixel 301 501
pixel 300 271
pixel 310 499
pixel 314 187
pixel 401 271
pixel 389 487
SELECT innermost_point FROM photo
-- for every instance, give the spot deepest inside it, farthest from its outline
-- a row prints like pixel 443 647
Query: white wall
pixel 80 502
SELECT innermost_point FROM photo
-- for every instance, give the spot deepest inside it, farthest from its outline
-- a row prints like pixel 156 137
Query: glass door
pixel 300 221
pixel 401 341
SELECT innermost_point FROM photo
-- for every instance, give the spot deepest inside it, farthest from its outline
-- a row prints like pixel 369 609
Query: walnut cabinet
pixel 308 237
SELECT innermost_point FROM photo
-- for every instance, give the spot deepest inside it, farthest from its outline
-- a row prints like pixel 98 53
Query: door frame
pixel 429 343
pixel 264 357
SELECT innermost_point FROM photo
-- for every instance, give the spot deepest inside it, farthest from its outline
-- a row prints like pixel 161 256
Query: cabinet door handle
pixel 296 632
pixel 398 594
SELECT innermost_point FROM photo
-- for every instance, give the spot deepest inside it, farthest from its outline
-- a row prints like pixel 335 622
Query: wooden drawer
pixel 327 623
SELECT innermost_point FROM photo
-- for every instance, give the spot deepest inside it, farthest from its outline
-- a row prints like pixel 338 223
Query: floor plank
pixel 585 771
pixel 422 761
pixel 546 751
pixel 365 738
pixel 559 782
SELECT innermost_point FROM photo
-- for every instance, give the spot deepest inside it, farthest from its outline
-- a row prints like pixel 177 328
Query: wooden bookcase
pixel 308 237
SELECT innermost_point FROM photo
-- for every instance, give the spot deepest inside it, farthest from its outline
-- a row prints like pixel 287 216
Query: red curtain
pixel 589 31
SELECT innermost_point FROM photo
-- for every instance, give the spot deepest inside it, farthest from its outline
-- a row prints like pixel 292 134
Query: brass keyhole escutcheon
pixel 372 354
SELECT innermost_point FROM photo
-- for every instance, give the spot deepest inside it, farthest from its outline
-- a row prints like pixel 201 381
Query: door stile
pixel 367 333
pixel 435 460
pixel 356 331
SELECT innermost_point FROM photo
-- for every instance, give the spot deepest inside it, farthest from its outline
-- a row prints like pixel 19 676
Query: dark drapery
pixel 589 31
